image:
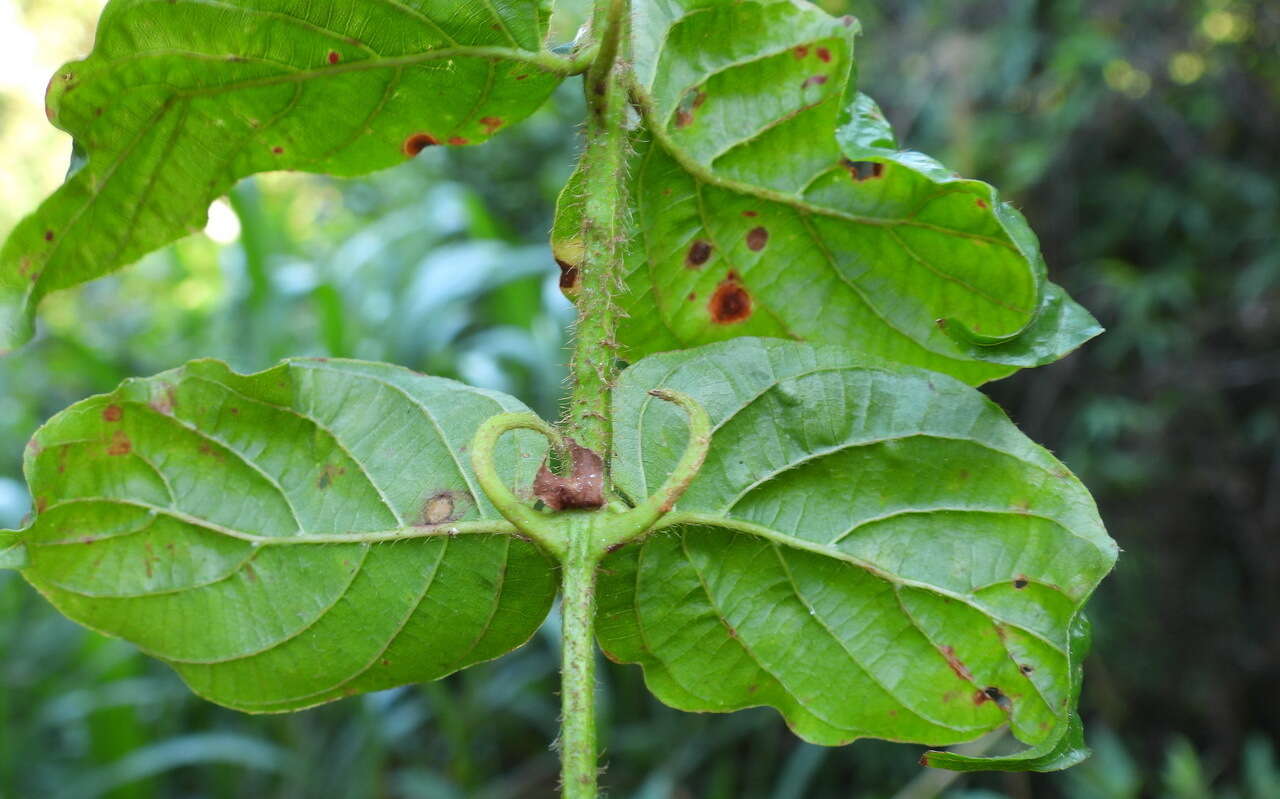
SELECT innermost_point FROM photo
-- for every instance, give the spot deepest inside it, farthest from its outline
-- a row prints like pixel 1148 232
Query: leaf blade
pixel 178 101
pixel 873 550
pixel 317 519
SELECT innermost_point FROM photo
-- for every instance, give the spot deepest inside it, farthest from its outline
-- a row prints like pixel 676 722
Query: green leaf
pixel 290 537
pixel 179 100
pixel 872 549
pixel 771 200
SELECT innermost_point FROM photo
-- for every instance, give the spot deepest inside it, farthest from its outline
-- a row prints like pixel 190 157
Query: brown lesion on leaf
pixel 457 141
pixel 813 80
pixel 329 474
pixel 1020 582
pixel 491 124
pixel 443 507
pixel 801 51
pixel 688 107
pixel 583 489
pixel 334 57
pixel 731 302
pixel 112 413
pixel 418 142
pixel 824 55
pixel 956 664
pixel 568 277
pixel 119 444
pixel 981 203
pixel 48 235
pixel 863 170
pixel 699 254
pixel 757 239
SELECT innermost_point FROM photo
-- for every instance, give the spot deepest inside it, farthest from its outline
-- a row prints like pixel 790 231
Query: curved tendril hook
pixel 644 516
pixel 536 525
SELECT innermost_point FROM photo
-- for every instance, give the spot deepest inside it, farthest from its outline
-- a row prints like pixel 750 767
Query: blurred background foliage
pixel 1141 137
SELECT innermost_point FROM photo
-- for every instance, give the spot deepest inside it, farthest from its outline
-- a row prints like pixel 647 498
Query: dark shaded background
pixel 1141 138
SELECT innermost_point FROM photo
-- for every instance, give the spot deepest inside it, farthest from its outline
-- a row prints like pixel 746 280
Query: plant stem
pixel 578 754
pixel 593 367
pixel 593 370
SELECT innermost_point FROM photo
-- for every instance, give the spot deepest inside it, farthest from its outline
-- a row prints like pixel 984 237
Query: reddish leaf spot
pixel 334 57
pixel 385 662
pixel 750 214
pixel 824 54
pixel 698 255
pixel 457 141
pixel 863 170
pixel 730 303
pixel 813 80
pixel 801 51
pixel 119 444
pixel 521 77
pixel 234 411
pixel 277 150
pixel 97 112
pixel 964 474
pixel 683 118
pixel 956 665
pixel 980 697
pixel 491 124
pixel 757 238
pixel 981 204
pixel 48 235
pixel 568 276
pixel 693 295
pixel 112 413
pixel 419 142
pixel 1020 582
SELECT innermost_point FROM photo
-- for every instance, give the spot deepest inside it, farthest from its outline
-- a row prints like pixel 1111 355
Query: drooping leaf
pixel 770 200
pixel 872 549
pixel 290 537
pixel 179 100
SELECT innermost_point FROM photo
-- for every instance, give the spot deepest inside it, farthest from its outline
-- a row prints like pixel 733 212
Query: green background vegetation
pixel 1142 140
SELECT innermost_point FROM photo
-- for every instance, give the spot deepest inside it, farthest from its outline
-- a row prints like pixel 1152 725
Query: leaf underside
pixel 290 537
pixel 770 200
pixel 874 550
pixel 179 100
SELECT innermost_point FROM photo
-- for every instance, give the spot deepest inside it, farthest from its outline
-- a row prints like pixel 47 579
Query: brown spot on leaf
pixel 443 506
pixel 956 665
pixel 250 574
pixel 693 295
pixel 568 276
pixel 582 489
pixel 757 238
pixel 824 54
pixel 1025 669
pixel 1021 506
pixel 277 150
pixel 964 474
pixel 165 402
pixel 112 413
pixel 334 57
pixel 981 204
pixel 328 474
pixel 813 80
pixel 41 504
pixel 491 124
pixel 48 235
pixel 730 303
pixel 683 118
pixel 801 51
pixel 521 77
pixel 419 142
pixel 698 255
pixel 750 214
pixel 980 697
pixel 119 444
pixel 1020 582
pixel 863 170
pixel 457 141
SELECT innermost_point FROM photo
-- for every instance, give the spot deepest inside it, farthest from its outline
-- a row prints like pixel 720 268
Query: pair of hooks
pixel 617 523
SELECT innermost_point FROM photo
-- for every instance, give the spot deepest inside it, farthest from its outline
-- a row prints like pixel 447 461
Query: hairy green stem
pixel 593 371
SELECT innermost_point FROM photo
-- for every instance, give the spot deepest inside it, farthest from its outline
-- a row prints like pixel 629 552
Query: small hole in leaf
pixel 419 142
pixel 863 170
